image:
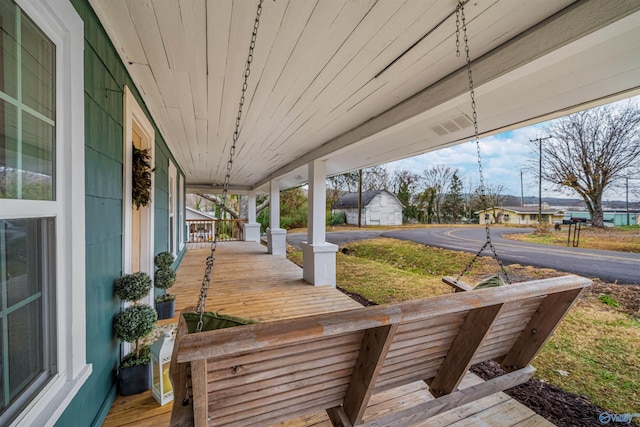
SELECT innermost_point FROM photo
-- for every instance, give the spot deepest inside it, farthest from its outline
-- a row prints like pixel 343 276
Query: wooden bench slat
pixel 373 351
pixel 327 364
pixel 464 347
pixel 542 324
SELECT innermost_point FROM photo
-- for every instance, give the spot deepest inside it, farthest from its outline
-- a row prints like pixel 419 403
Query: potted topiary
pixel 131 325
pixel 164 278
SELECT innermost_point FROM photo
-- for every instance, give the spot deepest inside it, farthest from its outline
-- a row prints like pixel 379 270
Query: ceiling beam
pixel 568 26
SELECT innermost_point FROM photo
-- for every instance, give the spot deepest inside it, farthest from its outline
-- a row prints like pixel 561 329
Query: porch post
pixel 276 236
pixel 251 227
pixel 318 256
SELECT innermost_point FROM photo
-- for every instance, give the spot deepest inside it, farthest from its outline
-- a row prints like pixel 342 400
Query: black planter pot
pixel 134 380
pixel 165 310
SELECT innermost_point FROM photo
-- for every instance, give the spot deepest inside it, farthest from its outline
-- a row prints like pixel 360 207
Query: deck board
pixel 248 282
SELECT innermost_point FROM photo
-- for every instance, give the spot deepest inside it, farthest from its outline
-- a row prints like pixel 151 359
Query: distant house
pixel 525 215
pixel 199 225
pixel 378 208
pixel 610 217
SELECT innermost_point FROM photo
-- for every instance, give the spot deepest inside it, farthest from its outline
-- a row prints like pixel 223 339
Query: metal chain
pixel 483 198
pixel 206 280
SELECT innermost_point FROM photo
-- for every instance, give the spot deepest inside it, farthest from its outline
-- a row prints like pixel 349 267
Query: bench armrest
pixel 457 285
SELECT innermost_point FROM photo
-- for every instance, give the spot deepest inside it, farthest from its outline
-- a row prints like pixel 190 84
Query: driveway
pixel 610 266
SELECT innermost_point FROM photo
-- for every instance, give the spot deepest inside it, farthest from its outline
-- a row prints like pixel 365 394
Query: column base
pixel 251 232
pixel 277 241
pixel 319 263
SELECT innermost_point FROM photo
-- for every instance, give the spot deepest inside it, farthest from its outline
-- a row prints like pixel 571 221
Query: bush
pixel 164 260
pixel 133 324
pixel 131 360
pixel 132 287
pixel 338 218
pixel 164 278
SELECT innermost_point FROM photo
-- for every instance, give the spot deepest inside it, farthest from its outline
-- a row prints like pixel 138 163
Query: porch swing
pixel 265 373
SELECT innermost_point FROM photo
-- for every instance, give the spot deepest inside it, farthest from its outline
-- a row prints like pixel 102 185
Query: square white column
pixel 251 227
pixel 318 256
pixel 276 236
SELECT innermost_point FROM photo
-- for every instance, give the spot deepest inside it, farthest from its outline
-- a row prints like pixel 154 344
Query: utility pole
pixel 627 199
pixel 521 190
pixel 540 176
pixel 360 198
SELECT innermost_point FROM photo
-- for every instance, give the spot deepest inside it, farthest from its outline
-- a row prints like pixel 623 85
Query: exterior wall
pixel 521 218
pixel 383 209
pixel 105 76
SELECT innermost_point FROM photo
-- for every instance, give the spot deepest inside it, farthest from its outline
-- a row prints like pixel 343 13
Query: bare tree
pixel 591 151
pixel 493 198
pixel 438 179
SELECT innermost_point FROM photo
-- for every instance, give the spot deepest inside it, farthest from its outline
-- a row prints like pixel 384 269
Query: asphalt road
pixel 610 266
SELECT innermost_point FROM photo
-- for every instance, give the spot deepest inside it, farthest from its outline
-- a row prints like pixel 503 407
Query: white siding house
pixel 378 208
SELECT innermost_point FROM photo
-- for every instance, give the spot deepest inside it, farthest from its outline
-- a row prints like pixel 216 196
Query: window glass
pixel 27 112
pixel 37 59
pixel 27 289
pixel 8 45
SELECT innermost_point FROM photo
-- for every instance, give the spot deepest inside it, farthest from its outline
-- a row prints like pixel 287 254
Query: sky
pixel 503 156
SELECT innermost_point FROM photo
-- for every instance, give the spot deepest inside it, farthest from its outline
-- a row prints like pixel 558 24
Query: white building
pixel 378 208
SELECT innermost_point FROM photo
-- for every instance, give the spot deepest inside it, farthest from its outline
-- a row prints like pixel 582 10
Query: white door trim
pixel 134 116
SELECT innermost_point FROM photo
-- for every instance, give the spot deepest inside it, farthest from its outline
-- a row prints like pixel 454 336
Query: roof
pixel 350 200
pixel 195 214
pixel 527 210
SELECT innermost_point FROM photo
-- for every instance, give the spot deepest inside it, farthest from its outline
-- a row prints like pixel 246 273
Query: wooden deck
pixel 247 282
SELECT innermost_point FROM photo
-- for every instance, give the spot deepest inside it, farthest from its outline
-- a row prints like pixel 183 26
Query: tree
pixel 453 204
pixel 591 151
pixel 437 178
pixel 493 197
pixel 404 185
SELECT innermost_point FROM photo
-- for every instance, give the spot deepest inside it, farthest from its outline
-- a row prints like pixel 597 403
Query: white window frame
pixel 59 20
pixel 181 223
pixel 171 202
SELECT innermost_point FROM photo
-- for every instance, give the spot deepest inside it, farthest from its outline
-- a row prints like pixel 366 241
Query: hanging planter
pixel 141 177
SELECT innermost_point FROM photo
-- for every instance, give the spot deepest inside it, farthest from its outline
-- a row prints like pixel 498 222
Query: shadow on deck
pixel 247 282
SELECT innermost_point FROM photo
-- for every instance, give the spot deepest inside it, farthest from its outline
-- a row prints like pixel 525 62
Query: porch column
pixel 251 227
pixel 276 236
pixel 319 256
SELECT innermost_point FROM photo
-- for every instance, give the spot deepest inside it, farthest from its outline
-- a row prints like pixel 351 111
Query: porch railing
pixel 201 231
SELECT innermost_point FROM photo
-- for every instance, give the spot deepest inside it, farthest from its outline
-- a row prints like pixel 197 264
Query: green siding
pixel 105 77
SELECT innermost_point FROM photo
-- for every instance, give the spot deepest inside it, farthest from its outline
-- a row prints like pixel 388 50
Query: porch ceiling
pixel 318 90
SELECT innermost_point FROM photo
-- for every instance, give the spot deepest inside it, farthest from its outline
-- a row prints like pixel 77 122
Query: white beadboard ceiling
pixel 360 82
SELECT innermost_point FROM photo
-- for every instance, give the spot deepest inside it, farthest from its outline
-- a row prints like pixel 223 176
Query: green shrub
pixel 164 278
pixel 164 260
pixel 132 287
pixel 131 360
pixel 337 218
pixel 135 323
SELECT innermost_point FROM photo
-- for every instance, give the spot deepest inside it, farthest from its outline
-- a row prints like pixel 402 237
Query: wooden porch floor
pixel 250 283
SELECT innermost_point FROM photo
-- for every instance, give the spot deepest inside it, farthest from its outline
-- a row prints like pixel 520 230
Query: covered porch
pixel 250 283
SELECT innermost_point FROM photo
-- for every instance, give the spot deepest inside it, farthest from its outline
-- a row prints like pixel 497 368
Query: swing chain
pixel 202 300
pixel 483 198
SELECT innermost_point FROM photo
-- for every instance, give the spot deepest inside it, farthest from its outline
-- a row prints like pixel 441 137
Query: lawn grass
pixel 623 239
pixel 597 343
